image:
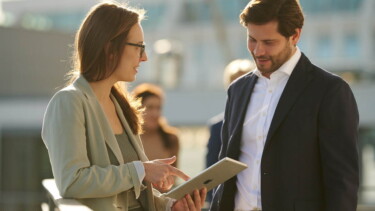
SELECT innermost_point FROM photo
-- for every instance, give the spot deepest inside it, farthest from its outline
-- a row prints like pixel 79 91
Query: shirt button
pixel 270 90
pixel 258 162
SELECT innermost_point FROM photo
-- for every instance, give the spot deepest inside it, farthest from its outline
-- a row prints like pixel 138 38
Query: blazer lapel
pixel 107 132
pixel 134 139
pixel 295 86
pixel 245 94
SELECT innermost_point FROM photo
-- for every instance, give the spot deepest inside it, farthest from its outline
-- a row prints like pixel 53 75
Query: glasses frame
pixel 142 46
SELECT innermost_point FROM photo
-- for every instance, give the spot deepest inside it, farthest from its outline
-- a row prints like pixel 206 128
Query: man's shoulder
pixel 326 76
pixel 241 81
pixel 322 75
pixel 216 120
pixel 243 78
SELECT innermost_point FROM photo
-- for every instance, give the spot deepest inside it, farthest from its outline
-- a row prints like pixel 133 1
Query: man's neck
pixel 268 74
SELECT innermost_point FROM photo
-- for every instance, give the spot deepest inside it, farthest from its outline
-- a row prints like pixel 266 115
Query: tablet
pixel 211 177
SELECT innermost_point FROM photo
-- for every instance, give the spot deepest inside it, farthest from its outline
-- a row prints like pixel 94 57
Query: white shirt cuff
pixel 140 170
pixel 141 175
pixel 170 204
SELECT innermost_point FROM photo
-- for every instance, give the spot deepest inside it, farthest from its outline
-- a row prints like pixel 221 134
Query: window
pixel 154 14
pixel 326 6
pixel 351 46
pixel 367 168
pixel 324 47
pixel 62 21
pixel 24 163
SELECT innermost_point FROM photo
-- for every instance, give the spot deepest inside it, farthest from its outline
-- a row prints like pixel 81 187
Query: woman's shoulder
pixel 67 95
pixel 66 103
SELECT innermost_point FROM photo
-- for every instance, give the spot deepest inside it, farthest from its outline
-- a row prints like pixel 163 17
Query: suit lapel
pixel 244 96
pixel 295 86
pixel 106 129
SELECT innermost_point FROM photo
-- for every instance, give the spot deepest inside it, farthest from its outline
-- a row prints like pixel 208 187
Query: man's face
pixel 268 47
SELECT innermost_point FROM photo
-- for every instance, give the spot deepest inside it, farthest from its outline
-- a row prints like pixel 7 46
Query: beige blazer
pixel 77 133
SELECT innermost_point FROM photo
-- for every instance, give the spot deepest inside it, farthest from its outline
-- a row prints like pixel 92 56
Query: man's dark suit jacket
pixel 213 145
pixel 310 157
pixel 214 142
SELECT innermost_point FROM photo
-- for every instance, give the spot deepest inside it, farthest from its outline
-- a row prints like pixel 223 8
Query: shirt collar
pixel 287 67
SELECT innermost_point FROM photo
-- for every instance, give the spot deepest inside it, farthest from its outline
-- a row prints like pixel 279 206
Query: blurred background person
pixel 232 71
pixel 159 139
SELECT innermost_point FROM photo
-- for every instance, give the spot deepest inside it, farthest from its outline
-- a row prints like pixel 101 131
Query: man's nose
pixel 259 50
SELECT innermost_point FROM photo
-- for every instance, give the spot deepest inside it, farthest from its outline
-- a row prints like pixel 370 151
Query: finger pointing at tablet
pixel 158 172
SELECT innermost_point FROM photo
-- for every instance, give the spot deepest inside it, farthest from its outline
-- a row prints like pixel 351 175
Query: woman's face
pixel 131 58
pixel 152 113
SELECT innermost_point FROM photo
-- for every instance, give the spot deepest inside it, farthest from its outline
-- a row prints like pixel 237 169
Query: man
pixel 294 124
pixel 232 71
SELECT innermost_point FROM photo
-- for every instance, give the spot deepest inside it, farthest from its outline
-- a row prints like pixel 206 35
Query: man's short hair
pixel 288 14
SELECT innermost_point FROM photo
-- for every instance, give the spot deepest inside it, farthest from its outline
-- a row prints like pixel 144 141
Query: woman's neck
pixel 102 89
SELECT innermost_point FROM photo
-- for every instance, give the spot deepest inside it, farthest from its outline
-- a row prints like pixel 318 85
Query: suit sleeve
pixel 64 135
pixel 338 137
pixel 224 128
pixel 214 144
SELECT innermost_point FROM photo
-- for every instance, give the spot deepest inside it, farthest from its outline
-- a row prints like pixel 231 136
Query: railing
pixel 56 201
pixel 365 207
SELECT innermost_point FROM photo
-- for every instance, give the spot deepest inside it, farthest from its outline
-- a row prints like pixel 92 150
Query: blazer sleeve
pixel 162 203
pixel 64 134
pixel 338 137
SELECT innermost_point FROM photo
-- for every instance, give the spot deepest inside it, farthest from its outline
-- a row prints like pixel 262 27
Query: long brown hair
pixel 142 92
pixel 99 44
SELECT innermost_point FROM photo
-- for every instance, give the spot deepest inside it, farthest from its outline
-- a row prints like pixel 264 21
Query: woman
pixel 91 126
pixel 159 139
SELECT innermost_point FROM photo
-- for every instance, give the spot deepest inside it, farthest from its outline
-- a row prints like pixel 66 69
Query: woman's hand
pixel 189 204
pixel 161 174
pixel 167 185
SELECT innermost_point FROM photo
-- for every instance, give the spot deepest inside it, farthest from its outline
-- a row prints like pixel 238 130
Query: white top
pixel 259 114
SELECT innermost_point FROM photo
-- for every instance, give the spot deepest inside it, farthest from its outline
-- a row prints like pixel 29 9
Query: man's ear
pixel 295 37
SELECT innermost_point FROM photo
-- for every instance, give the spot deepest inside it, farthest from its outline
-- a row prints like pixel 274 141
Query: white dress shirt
pixel 259 114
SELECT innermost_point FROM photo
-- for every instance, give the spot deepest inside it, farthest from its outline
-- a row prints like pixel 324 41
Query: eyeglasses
pixel 143 47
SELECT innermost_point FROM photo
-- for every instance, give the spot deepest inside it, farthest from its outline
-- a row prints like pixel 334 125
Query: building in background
pixel 189 42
